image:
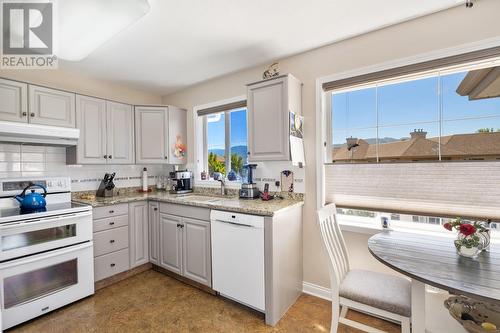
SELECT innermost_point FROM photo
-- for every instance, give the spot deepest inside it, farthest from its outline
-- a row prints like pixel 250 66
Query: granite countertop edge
pixel 261 211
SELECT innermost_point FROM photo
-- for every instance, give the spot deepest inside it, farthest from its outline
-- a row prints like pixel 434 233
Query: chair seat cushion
pixel 382 291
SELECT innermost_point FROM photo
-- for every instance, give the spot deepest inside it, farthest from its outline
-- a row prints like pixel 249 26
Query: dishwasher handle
pixel 236 224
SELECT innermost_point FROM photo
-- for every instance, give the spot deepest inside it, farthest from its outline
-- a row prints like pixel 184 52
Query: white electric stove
pixel 46 256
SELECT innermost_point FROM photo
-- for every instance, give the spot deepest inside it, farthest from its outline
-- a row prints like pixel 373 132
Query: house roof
pixel 469 145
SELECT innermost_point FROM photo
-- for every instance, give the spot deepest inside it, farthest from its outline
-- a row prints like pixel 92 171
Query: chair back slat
pixel 334 244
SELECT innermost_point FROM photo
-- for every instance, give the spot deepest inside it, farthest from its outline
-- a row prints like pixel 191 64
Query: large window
pixel 442 115
pixel 226 144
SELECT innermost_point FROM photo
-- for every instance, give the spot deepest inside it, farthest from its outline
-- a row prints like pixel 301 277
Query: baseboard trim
pixel 318 291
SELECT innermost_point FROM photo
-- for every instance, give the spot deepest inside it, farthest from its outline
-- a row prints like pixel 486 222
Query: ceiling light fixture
pixel 83 26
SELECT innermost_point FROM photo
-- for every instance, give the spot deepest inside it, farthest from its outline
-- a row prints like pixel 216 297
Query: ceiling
pixel 181 43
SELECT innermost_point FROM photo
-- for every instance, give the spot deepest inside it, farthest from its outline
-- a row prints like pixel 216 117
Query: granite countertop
pixel 233 204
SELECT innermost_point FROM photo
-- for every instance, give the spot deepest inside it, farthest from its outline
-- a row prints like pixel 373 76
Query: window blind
pixel 222 108
pixel 413 69
pixel 467 189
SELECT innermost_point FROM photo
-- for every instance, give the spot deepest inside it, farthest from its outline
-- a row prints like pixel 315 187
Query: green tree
pixel 236 163
pixel 487 130
pixel 214 165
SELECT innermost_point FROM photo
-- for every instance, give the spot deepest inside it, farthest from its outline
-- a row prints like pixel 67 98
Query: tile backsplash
pixel 25 161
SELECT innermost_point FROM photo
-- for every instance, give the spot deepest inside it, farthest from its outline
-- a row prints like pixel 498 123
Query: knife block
pixel 103 192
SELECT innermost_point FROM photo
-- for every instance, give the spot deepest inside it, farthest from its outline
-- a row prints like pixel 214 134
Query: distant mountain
pixel 238 150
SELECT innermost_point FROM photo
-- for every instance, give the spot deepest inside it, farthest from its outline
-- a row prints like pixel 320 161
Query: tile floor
pixel 153 302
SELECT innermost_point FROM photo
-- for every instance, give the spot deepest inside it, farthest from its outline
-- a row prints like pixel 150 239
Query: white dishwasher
pixel 238 257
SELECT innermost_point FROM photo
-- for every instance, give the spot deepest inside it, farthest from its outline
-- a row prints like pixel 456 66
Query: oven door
pixel 38 284
pixel 28 237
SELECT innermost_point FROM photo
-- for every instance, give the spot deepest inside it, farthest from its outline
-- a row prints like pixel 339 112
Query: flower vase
pixel 468 246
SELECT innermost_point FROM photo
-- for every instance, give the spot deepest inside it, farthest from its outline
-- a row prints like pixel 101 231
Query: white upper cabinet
pixel 120 133
pixel 177 135
pixel 13 101
pixel 151 128
pixel 268 106
pixel 106 132
pixel 51 107
pixel 91 120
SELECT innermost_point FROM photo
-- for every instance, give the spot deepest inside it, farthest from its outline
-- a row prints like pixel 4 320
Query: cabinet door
pixel 151 131
pixel 13 101
pixel 91 120
pixel 138 233
pixel 120 133
pixel 196 251
pixel 177 135
pixel 51 107
pixel 154 233
pixel 171 243
pixel 268 121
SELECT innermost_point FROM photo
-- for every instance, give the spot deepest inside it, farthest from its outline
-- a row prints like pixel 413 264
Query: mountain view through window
pixel 224 156
pixel 442 117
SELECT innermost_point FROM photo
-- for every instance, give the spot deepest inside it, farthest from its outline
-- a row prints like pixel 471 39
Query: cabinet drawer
pixel 110 223
pixel 110 240
pixel 198 213
pixel 111 264
pixel 109 211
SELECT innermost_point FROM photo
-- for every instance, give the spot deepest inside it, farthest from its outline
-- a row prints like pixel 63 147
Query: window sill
pixel 367 229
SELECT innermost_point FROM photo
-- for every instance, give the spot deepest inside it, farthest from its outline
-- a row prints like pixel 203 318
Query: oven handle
pixel 46 255
pixel 17 224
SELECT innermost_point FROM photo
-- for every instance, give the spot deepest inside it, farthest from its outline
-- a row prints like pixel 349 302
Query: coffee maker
pixel 249 189
pixel 181 181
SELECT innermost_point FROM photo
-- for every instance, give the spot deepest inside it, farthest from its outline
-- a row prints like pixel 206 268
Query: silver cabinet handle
pixel 25 113
pixel 111 223
pixel 112 241
pixel 112 265
pixel 110 157
pixel 105 156
pixel 32 115
pixel 111 211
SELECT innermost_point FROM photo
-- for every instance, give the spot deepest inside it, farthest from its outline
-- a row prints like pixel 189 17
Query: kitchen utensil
pixel 106 186
pixel 33 200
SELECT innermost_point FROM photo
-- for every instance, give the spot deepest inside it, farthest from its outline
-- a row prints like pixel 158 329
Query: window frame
pixel 438 73
pixel 201 144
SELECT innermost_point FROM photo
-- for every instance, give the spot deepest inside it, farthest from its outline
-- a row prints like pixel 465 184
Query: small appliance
pixel 181 181
pixel 106 187
pixel 249 189
pixel 32 201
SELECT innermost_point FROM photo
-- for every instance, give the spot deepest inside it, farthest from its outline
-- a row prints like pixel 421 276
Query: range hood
pixel 38 134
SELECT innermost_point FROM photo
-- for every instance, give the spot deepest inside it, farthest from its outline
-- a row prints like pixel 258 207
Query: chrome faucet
pixel 222 187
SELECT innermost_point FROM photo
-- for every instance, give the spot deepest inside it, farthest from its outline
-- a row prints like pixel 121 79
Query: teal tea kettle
pixel 33 200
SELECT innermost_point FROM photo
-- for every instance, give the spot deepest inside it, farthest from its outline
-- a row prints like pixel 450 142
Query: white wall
pixel 442 30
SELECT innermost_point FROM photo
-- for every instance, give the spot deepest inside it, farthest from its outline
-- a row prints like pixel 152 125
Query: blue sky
pixel 216 132
pixel 405 106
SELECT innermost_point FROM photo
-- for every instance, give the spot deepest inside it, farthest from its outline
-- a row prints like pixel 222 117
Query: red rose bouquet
pixel 469 240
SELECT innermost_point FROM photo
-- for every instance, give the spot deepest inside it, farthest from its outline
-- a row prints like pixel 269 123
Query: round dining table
pixel 433 260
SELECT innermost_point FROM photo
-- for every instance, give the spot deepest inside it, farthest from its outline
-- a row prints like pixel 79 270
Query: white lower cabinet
pixel 138 221
pixel 111 241
pixel 196 263
pixel 184 242
pixel 171 243
pixel 175 237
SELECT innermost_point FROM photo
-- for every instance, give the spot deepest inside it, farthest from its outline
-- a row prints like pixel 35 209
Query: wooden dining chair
pixel 377 294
